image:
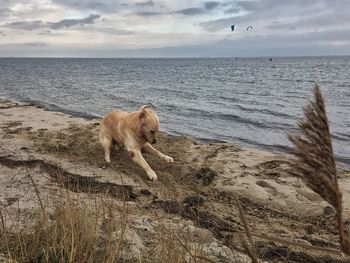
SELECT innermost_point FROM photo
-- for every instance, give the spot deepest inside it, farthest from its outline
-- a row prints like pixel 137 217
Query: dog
pixel 136 131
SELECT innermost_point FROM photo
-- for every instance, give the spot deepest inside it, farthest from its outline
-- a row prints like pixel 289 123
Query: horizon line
pixel 177 57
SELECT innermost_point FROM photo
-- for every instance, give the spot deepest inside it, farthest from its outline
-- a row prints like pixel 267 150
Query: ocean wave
pixel 341 137
pixel 235 118
pixel 131 103
pixel 266 111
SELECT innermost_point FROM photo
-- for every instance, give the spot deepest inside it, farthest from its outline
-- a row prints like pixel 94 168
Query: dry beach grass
pixel 315 163
pixel 74 230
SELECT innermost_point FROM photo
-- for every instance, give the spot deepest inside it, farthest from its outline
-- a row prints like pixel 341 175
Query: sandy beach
pixel 198 190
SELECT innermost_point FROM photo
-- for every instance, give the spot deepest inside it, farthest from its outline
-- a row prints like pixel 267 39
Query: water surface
pixel 248 101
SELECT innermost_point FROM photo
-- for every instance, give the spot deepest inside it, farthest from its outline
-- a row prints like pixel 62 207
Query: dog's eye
pixel 152 132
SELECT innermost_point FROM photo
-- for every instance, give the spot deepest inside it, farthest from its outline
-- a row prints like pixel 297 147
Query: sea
pixel 251 102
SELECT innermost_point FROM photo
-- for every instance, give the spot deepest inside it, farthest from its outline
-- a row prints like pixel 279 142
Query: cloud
pixel 192 28
pixel 45 32
pixel 191 11
pixel 317 43
pixel 105 6
pixel 148 3
pixel 4 12
pixel 273 14
pixel 26 25
pixel 232 10
pixel 72 22
pixel 115 31
pixel 146 13
pixel 211 5
pixel 38 24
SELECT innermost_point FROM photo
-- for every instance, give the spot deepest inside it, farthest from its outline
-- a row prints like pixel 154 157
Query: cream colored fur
pixel 136 131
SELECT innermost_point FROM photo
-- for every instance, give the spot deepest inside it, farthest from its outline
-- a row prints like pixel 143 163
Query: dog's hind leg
pixel 106 141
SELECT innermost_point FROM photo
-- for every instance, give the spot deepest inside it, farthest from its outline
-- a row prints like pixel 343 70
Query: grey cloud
pixel 6 6
pixel 5 12
pixel 190 11
pixel 148 3
pixel 148 13
pixel 114 31
pixel 96 6
pixel 26 25
pixel 313 21
pixel 261 5
pixel 232 10
pixel 38 24
pixel 218 24
pixel 252 5
pixel 211 5
pixel 72 22
pixel 187 12
pixel 45 32
pixel 282 6
pixel 106 6
pixel 281 28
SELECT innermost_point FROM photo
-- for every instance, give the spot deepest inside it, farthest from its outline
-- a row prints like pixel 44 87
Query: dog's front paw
pixel 152 175
pixel 168 159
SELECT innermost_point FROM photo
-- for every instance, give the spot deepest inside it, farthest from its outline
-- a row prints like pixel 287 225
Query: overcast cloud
pixel 117 28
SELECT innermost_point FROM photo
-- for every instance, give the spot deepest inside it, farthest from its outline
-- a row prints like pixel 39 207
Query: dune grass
pixel 96 231
pixel 69 231
pixel 314 162
pixel 68 227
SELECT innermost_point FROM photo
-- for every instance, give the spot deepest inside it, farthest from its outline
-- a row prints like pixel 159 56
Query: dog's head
pixel 149 124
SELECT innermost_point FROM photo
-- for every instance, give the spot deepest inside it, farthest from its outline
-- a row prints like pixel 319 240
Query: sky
pixel 181 28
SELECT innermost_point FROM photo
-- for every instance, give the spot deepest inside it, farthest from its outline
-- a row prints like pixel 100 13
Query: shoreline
pixel 62 152
pixel 342 162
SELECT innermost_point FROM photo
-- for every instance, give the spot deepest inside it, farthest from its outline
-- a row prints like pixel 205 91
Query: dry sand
pixel 197 190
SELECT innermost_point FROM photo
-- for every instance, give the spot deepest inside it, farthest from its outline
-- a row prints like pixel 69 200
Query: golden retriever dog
pixel 136 131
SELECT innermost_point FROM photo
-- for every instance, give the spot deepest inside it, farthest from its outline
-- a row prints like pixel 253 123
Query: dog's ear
pixel 143 113
pixel 145 107
pixel 142 116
